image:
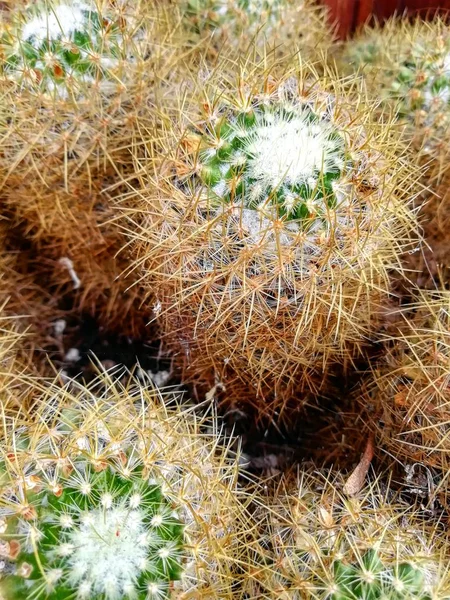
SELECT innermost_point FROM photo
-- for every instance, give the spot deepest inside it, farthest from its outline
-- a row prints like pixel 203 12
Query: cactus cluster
pixel 370 578
pixel 270 227
pixel 261 202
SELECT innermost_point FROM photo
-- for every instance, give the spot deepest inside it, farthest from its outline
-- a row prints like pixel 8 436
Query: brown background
pixel 351 13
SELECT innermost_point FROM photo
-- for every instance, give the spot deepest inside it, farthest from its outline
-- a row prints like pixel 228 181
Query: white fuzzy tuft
pixel 61 22
pixel 290 150
pixel 108 551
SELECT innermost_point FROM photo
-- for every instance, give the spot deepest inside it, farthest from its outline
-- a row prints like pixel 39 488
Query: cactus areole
pixel 96 535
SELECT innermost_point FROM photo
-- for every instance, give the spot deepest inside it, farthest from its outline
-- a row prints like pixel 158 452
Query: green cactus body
pixel 211 14
pixel 274 156
pixel 92 535
pixel 54 48
pixel 410 65
pixel 370 580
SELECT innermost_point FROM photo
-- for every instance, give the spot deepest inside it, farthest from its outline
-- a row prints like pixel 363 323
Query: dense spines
pixel 325 545
pixel 104 443
pixel 66 131
pixel 278 23
pixel 272 265
pixel 407 65
pixel 407 393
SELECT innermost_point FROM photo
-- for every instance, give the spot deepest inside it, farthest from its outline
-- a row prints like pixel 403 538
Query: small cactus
pixel 277 212
pixel 94 535
pixel 407 392
pixel 408 64
pixel 114 496
pixel 322 544
pixel 55 48
pixel 276 23
pixel 77 77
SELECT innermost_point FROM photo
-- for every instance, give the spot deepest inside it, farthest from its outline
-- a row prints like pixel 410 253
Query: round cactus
pixel 57 48
pixel 409 65
pixel 407 393
pixel 322 544
pixel 116 497
pixel 77 78
pixel 272 226
pixel 275 22
pixel 94 535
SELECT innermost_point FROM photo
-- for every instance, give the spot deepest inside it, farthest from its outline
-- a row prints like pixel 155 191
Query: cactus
pixel 61 48
pixel 277 23
pixel 102 535
pixel 324 545
pixel 108 494
pixel 407 392
pixel 408 64
pixel 272 226
pixel 77 78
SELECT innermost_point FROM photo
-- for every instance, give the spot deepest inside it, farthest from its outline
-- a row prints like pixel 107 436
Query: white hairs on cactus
pixel 58 47
pixel 116 499
pixel 60 22
pixel 290 150
pixel 281 155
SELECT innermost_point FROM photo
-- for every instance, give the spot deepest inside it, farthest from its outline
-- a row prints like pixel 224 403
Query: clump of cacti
pixel 108 494
pixel 270 228
pixel 323 544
